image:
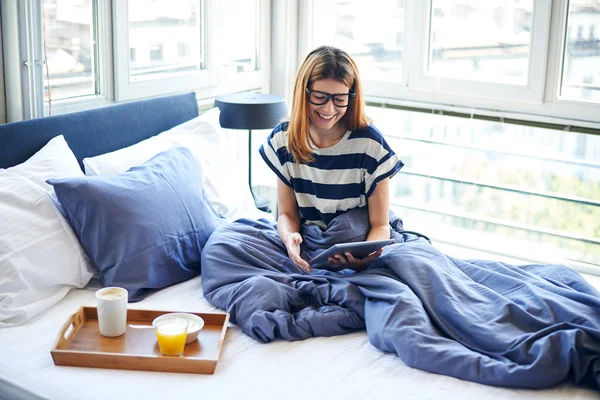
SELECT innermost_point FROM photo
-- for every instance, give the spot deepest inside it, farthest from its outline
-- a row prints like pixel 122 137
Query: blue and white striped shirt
pixel 340 177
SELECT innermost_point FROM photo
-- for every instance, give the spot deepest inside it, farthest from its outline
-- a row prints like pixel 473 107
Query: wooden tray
pixel 80 344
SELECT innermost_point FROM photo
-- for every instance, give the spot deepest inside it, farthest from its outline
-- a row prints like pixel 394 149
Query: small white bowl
pixel 196 323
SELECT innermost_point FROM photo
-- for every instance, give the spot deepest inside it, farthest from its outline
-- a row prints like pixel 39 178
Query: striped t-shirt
pixel 339 178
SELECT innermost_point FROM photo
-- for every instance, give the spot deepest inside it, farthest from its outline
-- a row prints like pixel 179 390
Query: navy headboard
pixel 93 132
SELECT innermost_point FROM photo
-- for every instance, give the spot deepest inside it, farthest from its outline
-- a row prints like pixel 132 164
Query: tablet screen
pixel 357 249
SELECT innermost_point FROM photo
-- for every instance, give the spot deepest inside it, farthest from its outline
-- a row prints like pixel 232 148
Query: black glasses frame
pixel 329 96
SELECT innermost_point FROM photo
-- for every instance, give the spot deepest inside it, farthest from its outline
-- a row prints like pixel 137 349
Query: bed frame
pixel 98 131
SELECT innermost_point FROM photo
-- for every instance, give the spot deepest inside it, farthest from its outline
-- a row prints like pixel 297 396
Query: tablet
pixel 357 249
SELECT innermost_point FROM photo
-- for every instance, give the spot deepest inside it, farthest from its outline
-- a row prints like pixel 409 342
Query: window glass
pixel 371 32
pixel 581 63
pixel 240 35
pixel 481 40
pixel 465 183
pixel 69 49
pixel 165 37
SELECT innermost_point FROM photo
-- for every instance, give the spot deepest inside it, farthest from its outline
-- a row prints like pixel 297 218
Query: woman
pixel 328 157
pixel 485 321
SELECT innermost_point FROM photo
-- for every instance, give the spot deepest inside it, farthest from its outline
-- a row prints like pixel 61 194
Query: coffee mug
pixel 111 304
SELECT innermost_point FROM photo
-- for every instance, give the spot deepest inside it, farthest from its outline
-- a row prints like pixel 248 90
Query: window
pixel 240 49
pixel 500 50
pixel 378 51
pixel 69 50
pixel 161 29
pixel 418 50
pixel 513 188
pixel 580 70
pixel 81 54
pixel 56 56
pixel 515 58
pixel 156 32
pixel 173 53
pixel 466 183
pixel 495 63
pixel 242 39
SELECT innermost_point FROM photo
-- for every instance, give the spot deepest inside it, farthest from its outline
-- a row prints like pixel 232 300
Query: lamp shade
pixel 251 110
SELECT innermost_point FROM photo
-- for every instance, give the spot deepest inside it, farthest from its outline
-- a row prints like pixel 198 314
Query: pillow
pixel 54 160
pixel 226 181
pixel 228 193
pixel 143 229
pixel 121 160
pixel 40 256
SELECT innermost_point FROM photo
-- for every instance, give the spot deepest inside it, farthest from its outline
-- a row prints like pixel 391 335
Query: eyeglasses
pixel 319 98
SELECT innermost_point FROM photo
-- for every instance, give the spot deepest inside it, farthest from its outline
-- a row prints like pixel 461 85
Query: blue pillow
pixel 143 229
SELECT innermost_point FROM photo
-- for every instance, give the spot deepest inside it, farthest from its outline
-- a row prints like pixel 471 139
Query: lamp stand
pixel 250 160
pixel 261 204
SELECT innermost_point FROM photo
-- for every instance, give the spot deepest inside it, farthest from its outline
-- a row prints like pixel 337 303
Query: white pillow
pixel 54 160
pixel 225 179
pixel 228 192
pixel 121 160
pixel 40 256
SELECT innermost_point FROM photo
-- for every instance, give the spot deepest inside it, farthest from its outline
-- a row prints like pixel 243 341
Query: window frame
pixel 532 91
pixel 103 26
pixel 126 89
pixel 24 86
pixel 546 108
pixel 542 104
pixel 208 82
pixel 258 79
pixel 381 87
pixel 557 47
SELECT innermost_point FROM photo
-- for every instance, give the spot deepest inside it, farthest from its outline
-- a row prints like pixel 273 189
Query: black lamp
pixel 250 111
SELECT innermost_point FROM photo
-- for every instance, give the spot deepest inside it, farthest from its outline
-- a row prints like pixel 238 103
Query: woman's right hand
pixel 292 244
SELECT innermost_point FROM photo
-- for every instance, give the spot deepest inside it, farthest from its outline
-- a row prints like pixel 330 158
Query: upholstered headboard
pixel 93 132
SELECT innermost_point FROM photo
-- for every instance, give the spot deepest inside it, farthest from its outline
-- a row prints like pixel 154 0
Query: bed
pixel 338 367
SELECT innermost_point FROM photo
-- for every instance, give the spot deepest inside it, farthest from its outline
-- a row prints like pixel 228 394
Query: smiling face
pixel 327 116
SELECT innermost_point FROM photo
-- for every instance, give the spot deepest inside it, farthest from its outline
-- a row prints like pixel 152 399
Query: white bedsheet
pixel 341 367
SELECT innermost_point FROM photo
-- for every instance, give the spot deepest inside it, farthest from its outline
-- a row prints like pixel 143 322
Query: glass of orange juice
pixel 171 335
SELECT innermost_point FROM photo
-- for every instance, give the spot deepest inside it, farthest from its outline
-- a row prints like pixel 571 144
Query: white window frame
pixel 105 60
pixel 22 41
pixel 539 102
pixel 311 10
pixel 126 89
pixel 532 91
pixel 208 82
pixel 25 82
pixel 555 104
pixel 13 91
pixel 258 79
pixel 21 60
pixel 284 47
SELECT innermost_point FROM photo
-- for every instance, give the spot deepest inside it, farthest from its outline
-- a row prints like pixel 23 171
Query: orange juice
pixel 171 335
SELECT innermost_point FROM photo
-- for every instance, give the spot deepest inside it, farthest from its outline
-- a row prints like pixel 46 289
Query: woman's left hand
pixel 346 260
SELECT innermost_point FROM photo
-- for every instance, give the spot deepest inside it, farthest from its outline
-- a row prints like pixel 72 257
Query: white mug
pixel 112 311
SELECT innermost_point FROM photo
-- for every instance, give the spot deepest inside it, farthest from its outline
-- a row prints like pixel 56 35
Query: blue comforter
pixel 531 326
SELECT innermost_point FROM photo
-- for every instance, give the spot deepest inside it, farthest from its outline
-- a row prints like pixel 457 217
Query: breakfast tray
pixel 80 344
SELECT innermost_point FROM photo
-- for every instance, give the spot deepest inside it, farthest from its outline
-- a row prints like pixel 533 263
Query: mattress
pixel 340 367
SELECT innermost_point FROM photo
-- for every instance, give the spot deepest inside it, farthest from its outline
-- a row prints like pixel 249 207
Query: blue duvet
pixel 530 326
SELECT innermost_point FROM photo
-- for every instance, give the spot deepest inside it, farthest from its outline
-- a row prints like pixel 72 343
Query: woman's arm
pixel 288 224
pixel 379 205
